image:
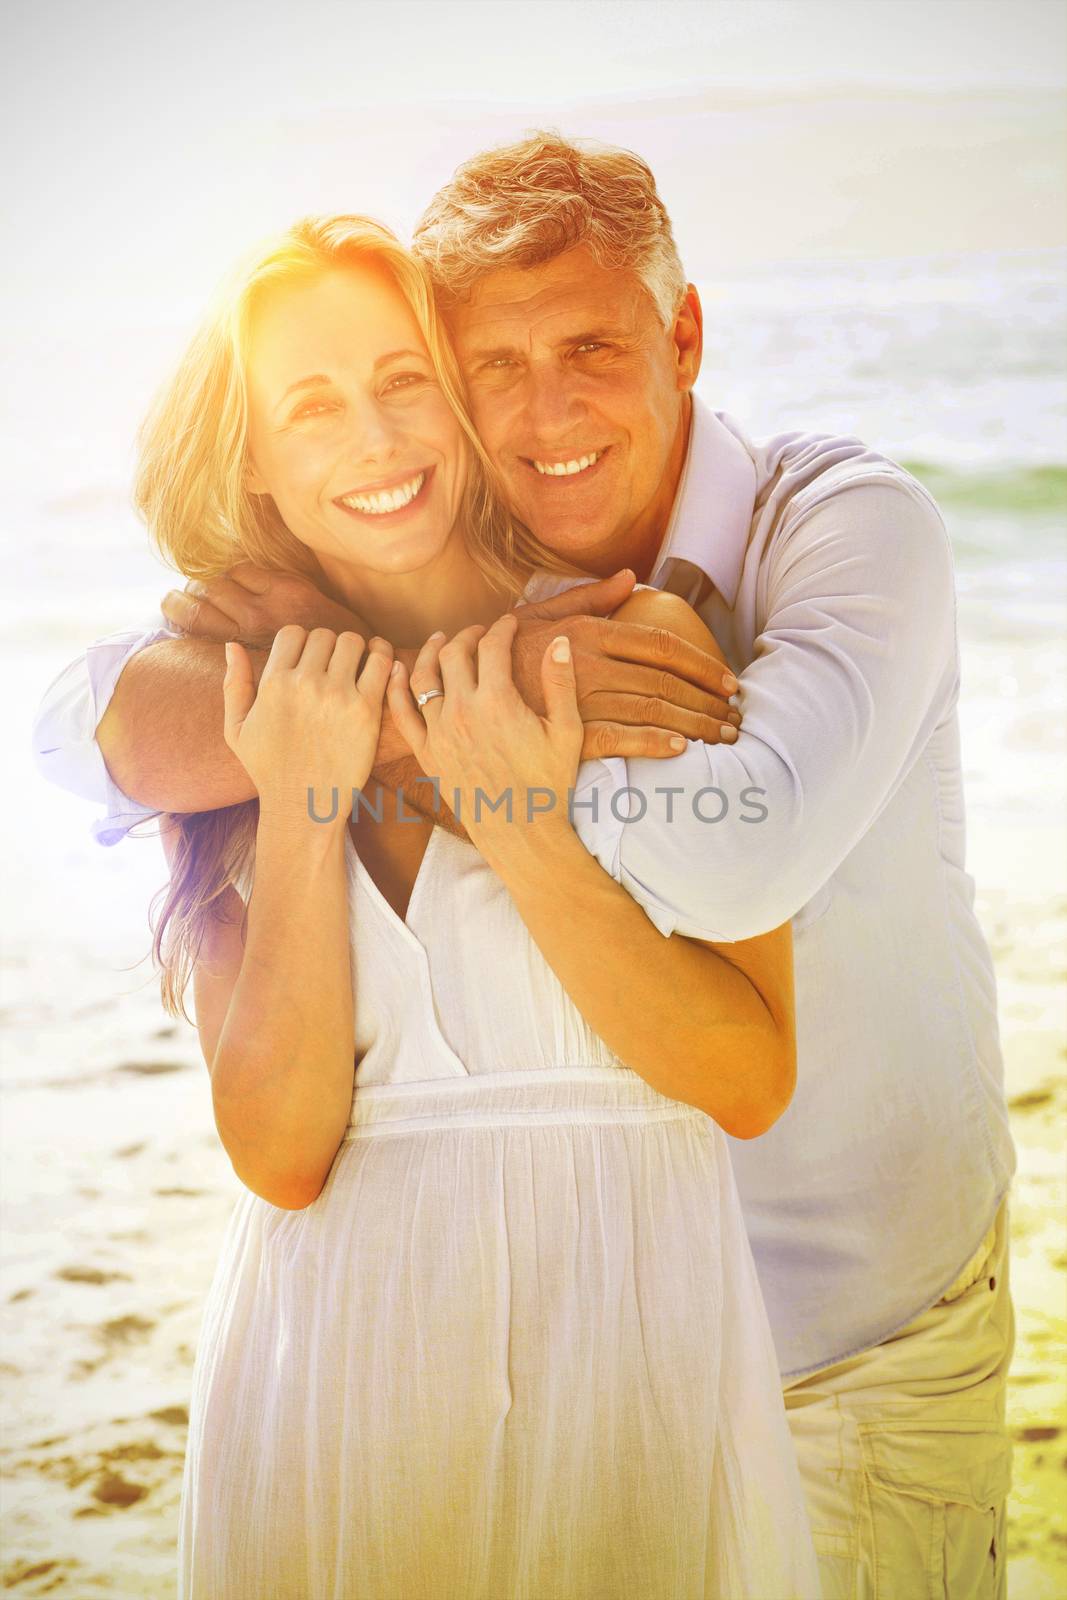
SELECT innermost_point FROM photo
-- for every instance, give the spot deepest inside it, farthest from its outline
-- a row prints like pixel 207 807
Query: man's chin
pixel 578 539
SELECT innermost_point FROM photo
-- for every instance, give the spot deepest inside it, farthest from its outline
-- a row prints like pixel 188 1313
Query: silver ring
pixel 427 694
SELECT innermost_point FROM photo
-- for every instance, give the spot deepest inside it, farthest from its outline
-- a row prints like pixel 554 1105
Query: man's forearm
pixel 162 735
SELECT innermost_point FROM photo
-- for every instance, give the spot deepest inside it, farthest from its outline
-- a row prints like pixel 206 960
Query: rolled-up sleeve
pixel 855 666
pixel 64 730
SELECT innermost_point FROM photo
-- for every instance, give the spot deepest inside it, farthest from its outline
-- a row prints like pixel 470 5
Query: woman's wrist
pixel 311 824
pixel 520 850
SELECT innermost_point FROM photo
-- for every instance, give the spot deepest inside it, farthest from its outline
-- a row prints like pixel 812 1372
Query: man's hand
pixel 251 603
pixel 639 681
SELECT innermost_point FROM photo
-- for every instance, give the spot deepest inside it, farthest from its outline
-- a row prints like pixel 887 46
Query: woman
pixel 485 1322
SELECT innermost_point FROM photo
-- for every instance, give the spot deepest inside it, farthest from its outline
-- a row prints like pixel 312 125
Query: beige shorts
pixel 904 1451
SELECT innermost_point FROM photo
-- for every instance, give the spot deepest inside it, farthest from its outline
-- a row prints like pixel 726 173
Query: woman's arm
pixel 711 1025
pixel 275 1016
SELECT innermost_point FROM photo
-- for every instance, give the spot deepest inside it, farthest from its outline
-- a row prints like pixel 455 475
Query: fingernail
pixel 394 669
pixel 728 734
pixel 561 648
pixel 439 634
pixel 729 682
pixel 229 653
pixel 677 742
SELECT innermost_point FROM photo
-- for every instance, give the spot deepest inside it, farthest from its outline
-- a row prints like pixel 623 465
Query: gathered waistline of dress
pixel 560 1094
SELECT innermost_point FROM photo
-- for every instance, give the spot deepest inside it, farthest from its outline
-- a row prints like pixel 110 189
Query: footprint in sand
pixel 124 1330
pixel 176 1415
pixel 114 1334
pixel 151 1068
pixel 22 1572
pixel 79 1274
pixel 115 1490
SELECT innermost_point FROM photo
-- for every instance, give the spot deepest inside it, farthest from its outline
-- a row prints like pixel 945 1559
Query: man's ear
pixel 687 336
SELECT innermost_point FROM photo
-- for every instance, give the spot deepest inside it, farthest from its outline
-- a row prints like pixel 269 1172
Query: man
pixel 876 1205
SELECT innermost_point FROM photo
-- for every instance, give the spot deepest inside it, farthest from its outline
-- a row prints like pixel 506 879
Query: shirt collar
pixel 712 512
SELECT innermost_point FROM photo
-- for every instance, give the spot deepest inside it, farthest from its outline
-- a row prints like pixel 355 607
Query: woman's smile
pixel 390 501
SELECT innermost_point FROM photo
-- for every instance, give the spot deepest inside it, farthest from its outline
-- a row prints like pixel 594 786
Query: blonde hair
pixel 519 205
pixel 190 490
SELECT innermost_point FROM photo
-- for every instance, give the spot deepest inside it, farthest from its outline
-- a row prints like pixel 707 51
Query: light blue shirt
pixel 828 582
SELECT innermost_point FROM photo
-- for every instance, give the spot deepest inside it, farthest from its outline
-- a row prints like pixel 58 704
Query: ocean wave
pixel 1032 488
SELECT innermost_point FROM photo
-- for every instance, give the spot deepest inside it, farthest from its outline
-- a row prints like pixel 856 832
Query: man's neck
pixel 638 545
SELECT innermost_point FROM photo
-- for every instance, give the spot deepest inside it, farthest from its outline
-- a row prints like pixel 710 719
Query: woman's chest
pixel 391 849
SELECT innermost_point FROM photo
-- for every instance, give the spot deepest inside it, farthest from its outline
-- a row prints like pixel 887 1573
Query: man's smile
pixel 569 467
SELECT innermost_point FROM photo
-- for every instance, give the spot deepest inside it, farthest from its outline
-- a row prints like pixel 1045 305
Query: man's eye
pixel 592 347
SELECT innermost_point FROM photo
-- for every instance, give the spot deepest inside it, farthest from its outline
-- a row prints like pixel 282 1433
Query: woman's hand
pixel 482 736
pixel 313 722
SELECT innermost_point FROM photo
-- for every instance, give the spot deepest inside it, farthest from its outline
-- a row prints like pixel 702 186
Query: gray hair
pixel 523 204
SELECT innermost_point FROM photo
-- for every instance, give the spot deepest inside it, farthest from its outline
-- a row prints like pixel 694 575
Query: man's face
pixel 579 394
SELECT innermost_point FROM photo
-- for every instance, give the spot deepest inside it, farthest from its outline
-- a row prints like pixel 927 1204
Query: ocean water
pixel 955 366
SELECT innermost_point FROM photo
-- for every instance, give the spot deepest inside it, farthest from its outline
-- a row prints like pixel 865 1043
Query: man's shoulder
pixel 797 471
pixel 542 584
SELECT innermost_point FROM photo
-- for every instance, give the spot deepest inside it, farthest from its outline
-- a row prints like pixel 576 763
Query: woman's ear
pixel 252 481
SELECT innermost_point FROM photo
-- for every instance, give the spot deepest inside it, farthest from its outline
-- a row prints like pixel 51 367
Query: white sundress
pixel 516 1348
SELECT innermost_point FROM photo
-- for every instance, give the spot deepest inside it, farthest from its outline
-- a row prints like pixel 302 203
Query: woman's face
pixel 349 431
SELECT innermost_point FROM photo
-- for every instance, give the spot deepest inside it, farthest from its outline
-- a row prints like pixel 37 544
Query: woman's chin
pixel 393 554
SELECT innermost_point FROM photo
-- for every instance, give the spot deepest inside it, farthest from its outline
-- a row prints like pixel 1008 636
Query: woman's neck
pixel 451 592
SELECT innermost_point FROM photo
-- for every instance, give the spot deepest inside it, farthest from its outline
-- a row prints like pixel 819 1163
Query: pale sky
pixel 147 142
pixel 111 58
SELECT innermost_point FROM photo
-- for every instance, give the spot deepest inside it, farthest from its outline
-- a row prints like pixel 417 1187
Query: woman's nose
pixel 374 435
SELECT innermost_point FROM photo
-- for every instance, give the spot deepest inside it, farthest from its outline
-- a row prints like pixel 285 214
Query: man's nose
pixel 553 405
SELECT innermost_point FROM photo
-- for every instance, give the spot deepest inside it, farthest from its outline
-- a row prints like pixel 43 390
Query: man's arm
pixel 64 742
pixel 856 665
pixel 154 730
pixel 135 723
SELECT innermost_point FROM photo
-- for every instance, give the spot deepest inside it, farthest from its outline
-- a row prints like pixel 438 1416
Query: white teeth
pixel 384 500
pixel 566 469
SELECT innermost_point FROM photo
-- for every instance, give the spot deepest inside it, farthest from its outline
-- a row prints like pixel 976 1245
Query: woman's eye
pixel 405 380
pixel 313 408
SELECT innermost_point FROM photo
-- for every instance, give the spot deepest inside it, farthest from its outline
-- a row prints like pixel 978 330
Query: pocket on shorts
pixel 937 1509
pixel 977 1267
